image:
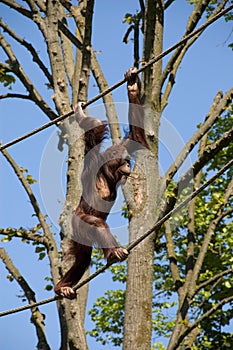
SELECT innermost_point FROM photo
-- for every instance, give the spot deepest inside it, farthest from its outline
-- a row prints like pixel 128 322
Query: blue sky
pixel 206 69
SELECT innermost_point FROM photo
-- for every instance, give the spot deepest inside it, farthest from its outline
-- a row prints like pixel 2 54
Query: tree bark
pixel 143 196
pixel 138 305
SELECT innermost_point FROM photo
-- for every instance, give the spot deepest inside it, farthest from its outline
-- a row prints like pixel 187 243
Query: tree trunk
pixel 72 313
pixel 138 306
pixel 144 194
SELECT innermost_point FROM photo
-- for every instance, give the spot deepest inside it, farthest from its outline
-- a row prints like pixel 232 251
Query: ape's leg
pixel 82 255
pixel 96 231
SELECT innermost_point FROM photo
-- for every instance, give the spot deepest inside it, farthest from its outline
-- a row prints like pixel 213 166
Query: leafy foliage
pixel 108 316
pixel 29 177
pixel 108 311
pixel 41 250
pixel 10 233
pixel 5 78
pixel 219 256
pixel 49 286
pixel 162 321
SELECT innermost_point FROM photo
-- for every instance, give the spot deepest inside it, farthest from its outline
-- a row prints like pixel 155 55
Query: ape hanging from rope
pixel 102 174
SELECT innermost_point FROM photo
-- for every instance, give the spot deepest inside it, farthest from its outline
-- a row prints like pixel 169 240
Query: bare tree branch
pixel 37 318
pixel 191 337
pixel 19 8
pixel 142 6
pixel 41 5
pixel 168 3
pixel 102 84
pixel 67 57
pixel 17 69
pixel 108 99
pixel 32 4
pixel 33 13
pixel 66 33
pixel 30 48
pixel 213 279
pixel 12 95
pixel 172 256
pixel 207 238
pixel 175 60
pixel 191 236
pixel 29 192
pixel 209 152
pixel 86 57
pixel 78 14
pixel 6 67
pixel 51 244
pixel 126 36
pixel 206 315
pixel 61 93
pixel 216 110
pixel 24 235
pixel 192 22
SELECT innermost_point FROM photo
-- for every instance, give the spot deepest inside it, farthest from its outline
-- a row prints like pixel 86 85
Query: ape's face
pixel 124 168
pixel 122 171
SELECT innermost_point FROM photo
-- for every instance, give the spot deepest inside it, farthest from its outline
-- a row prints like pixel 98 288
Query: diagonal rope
pixel 131 246
pixel 115 86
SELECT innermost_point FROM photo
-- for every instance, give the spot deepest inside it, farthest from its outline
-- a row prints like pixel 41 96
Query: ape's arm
pixel 136 113
pixel 133 86
pixel 95 130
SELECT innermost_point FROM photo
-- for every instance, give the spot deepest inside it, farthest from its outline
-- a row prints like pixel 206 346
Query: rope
pixel 115 86
pixel 131 246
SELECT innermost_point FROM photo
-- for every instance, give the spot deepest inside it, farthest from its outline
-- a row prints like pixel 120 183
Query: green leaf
pixel 6 78
pixel 48 287
pixel 128 18
pixel 30 180
pixel 227 284
pixel 10 277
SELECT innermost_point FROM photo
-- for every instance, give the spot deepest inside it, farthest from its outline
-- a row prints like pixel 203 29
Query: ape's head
pixel 116 168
